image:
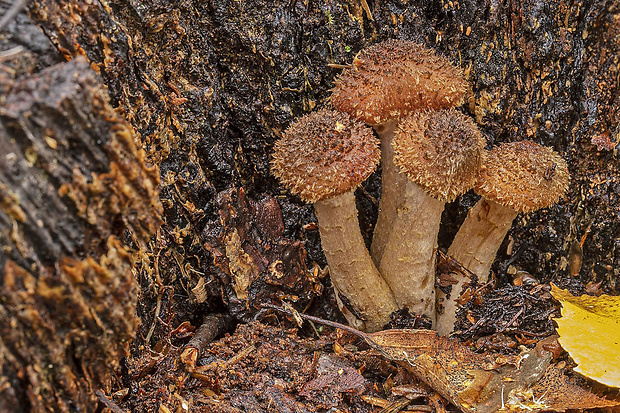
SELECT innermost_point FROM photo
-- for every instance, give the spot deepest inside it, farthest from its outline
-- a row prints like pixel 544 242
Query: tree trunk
pixel 73 184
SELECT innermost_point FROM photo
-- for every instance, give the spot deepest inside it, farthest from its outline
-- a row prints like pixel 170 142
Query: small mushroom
pixel 323 157
pixel 441 153
pixel 389 80
pixel 519 177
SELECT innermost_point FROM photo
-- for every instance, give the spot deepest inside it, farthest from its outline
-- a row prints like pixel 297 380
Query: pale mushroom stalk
pixel 519 177
pixel 475 247
pixel 440 154
pixel 409 263
pixel 353 274
pixel 387 81
pixel 392 186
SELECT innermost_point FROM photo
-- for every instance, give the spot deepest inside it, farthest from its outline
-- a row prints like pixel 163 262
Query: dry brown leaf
pixel 485 383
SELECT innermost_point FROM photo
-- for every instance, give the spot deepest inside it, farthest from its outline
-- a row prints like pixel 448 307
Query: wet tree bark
pixel 73 185
pixel 209 86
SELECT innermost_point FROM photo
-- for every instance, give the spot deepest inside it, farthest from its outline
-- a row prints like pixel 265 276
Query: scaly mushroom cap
pixel 323 154
pixel 524 176
pixel 396 78
pixel 442 151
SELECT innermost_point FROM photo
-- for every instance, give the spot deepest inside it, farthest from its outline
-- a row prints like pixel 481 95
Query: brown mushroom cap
pixel 442 151
pixel 325 153
pixel 395 78
pixel 524 176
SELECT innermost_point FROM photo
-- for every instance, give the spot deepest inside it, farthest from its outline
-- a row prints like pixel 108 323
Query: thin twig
pixel 155 317
pixel 11 12
pixel 212 326
pixel 108 403
pixel 512 321
pixel 396 405
pixel 12 52
pixel 312 318
pixel 231 361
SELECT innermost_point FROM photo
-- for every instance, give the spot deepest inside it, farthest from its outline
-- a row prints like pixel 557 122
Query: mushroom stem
pixel 481 235
pixel 475 247
pixel 350 267
pixel 392 185
pixel 408 265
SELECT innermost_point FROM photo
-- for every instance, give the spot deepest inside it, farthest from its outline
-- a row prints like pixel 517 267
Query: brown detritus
pixel 470 380
pixel 603 143
pixel 513 311
pixel 519 177
pixel 323 157
pixel 107 402
pixel 332 377
pixel 402 405
pixel 244 352
pixel 255 368
pixel 524 278
pixel 76 203
pixel 498 342
pixel 387 81
pixel 438 403
pixel 441 153
pixel 403 318
pixel 254 261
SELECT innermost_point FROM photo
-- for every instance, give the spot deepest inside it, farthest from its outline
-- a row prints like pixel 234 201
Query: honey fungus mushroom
pixel 387 81
pixel 519 177
pixel 441 154
pixel 323 157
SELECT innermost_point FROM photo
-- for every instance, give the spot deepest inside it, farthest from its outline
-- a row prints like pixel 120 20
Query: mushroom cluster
pixel 430 154
pixel 388 81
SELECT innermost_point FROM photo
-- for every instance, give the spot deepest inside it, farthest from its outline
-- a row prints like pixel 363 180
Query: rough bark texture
pixel 210 85
pixel 72 183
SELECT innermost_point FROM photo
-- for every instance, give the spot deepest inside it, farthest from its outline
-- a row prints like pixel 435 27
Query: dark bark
pixel 72 184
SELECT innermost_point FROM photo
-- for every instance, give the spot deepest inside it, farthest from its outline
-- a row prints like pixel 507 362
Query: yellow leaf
pixel 590 331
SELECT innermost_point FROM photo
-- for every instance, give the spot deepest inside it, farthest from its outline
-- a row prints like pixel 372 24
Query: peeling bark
pixel 73 185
